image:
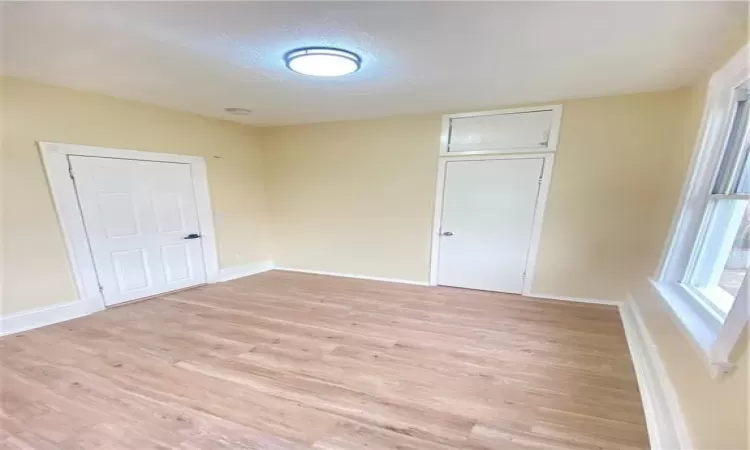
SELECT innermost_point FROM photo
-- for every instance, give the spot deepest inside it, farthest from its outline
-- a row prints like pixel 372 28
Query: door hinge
pixel 101 289
pixel 70 172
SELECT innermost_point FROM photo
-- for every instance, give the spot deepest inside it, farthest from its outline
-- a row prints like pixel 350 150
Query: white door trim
pixel 536 231
pixel 62 188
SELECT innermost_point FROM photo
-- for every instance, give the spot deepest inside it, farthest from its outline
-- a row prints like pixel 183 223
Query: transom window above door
pixel 519 130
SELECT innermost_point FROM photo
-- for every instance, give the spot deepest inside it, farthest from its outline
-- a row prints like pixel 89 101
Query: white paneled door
pixel 142 225
pixel 487 223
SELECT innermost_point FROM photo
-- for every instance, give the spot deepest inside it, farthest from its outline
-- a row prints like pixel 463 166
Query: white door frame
pixel 536 231
pixel 63 190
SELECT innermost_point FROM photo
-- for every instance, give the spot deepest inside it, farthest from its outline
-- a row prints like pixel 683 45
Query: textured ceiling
pixel 418 56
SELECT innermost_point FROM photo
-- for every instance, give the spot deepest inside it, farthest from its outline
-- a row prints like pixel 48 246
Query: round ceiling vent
pixel 238 111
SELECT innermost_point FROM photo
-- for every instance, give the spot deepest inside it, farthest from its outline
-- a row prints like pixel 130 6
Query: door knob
pixel 446 233
pixel 192 236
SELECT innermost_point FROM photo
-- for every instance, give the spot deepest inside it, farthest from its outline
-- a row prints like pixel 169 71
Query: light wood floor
pixel 284 360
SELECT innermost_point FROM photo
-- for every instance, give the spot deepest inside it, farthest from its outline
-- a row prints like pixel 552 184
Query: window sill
pixel 701 325
pixel 721 298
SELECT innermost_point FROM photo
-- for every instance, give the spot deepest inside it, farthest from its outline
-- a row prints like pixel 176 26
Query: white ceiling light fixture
pixel 322 61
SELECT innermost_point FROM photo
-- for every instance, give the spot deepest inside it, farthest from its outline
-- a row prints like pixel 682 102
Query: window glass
pixel 738 260
pixel 735 151
pixel 723 257
pixel 743 186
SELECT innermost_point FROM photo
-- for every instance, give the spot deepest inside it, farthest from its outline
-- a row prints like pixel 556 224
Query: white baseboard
pixel 349 275
pixel 666 424
pixel 574 299
pixel 232 273
pixel 35 318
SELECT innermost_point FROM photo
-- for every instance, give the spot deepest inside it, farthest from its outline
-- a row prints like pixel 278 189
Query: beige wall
pixel 716 411
pixel 351 197
pixel 599 235
pixel 357 197
pixel 36 272
pixel 354 197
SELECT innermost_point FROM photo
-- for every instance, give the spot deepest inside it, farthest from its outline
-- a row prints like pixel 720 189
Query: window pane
pixel 743 187
pixel 735 151
pixel 738 261
pixel 724 256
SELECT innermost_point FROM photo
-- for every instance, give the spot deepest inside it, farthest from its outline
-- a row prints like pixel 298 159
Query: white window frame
pixel 713 333
pixel 55 159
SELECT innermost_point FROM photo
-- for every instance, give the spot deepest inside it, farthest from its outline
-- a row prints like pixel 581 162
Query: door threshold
pixel 136 300
pixel 480 290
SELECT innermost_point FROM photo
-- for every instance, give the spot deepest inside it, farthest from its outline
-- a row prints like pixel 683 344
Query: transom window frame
pixel 713 331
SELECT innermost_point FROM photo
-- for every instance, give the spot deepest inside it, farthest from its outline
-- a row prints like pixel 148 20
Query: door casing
pixel 65 199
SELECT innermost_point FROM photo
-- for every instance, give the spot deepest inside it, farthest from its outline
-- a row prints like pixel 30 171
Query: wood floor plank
pixel 285 360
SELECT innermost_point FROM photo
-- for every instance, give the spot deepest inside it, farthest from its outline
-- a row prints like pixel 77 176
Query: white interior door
pixel 142 225
pixel 487 220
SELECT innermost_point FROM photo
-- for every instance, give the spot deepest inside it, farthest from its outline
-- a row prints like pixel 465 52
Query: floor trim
pixel 50 315
pixel 574 299
pixel 350 275
pixel 664 419
pixel 40 317
pixel 234 272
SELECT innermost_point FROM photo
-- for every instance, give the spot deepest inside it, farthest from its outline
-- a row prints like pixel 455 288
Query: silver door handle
pixel 446 233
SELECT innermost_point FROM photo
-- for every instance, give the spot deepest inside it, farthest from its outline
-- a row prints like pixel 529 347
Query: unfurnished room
pixel 381 225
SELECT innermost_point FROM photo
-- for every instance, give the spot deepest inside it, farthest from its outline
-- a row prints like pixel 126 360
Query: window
pixel 720 259
pixel 704 273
